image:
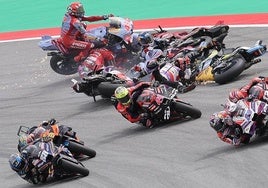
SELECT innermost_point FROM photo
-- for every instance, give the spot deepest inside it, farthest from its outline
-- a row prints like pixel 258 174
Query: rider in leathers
pixel 25 165
pixel 247 113
pixel 243 92
pixel 125 104
pixel 72 27
pixel 153 64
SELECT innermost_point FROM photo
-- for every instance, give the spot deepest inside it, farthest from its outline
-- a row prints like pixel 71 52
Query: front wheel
pixel 187 110
pixel 71 167
pixel 234 68
pixel 64 66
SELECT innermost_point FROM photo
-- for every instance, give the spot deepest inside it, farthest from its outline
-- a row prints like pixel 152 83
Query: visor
pixel 125 100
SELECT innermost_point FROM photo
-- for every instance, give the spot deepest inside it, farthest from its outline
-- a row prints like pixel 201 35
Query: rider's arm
pixel 92 18
pixel 139 86
pixel 129 113
pixel 229 139
pixel 79 26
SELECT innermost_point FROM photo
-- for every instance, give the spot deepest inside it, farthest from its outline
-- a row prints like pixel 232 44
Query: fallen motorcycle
pixel 103 84
pixel 164 39
pixel 62 137
pixel 163 105
pixel 224 65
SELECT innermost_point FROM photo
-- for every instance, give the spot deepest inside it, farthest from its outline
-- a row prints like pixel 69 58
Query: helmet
pixel 256 92
pixel 52 121
pixel 145 39
pixel 122 95
pixel 216 122
pixel 76 9
pixel 16 162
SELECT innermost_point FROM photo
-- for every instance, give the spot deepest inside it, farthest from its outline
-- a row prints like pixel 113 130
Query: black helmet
pixel 216 122
pixel 145 39
pixel 16 162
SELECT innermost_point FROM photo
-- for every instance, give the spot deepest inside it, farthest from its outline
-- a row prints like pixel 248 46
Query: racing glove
pixel 105 17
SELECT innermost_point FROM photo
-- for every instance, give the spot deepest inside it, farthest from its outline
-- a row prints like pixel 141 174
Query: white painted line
pixel 154 29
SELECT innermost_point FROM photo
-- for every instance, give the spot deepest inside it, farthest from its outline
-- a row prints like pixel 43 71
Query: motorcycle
pixel 242 120
pixel 163 68
pixel 164 39
pixel 103 84
pixel 63 136
pixel 62 61
pixel 47 163
pixel 223 65
pixel 163 105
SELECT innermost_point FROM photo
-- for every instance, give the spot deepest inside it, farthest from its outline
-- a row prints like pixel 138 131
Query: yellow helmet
pixel 122 95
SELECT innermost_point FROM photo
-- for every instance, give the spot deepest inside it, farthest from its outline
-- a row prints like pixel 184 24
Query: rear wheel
pixel 234 69
pixel 107 89
pixel 63 66
pixel 187 110
pixel 78 149
pixel 71 167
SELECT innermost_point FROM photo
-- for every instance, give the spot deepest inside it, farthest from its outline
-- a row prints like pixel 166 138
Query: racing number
pixel 167 113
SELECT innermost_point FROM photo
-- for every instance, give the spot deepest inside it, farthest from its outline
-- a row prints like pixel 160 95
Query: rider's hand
pixel 105 17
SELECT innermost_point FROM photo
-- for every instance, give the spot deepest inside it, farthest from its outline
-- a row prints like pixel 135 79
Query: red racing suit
pixel 73 27
pixel 242 93
pixel 132 112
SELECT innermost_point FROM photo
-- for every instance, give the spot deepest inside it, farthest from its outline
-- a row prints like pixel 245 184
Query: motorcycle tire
pixel 107 89
pixel 187 109
pixel 237 66
pixel 63 67
pixel 71 167
pixel 78 149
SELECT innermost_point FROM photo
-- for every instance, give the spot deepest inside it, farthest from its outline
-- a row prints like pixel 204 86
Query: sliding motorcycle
pixel 102 84
pixel 224 65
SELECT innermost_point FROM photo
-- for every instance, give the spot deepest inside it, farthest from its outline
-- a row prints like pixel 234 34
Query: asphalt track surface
pixel 186 154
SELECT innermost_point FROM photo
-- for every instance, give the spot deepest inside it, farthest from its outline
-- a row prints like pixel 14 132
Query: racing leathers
pixel 133 111
pixel 243 92
pixel 35 156
pixel 72 27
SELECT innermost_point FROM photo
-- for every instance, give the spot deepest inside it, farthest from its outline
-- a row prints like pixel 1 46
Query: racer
pixel 22 163
pixel 154 61
pixel 124 100
pixel 72 27
pixel 38 131
pixel 244 92
pixel 231 123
